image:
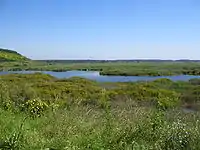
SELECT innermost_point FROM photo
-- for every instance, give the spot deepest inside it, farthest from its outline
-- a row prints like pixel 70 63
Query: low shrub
pixel 34 107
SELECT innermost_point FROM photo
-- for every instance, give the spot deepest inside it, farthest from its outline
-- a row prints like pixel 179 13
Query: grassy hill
pixel 10 55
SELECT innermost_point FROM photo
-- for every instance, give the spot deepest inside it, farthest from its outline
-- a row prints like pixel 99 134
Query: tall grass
pixel 82 128
pixel 34 115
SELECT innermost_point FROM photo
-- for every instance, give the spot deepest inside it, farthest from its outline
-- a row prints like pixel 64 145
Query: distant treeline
pixel 105 61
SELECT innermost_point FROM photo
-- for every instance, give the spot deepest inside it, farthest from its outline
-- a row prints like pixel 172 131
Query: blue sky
pixel 101 29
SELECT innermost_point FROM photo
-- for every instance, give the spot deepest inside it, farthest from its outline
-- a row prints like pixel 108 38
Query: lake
pixel 94 75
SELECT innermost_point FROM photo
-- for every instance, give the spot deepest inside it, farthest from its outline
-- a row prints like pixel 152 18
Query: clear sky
pixel 101 29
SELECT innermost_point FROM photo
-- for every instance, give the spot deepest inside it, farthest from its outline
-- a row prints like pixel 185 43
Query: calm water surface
pixel 94 75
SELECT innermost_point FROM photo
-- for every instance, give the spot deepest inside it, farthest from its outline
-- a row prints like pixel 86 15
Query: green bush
pixel 34 107
pixel 167 99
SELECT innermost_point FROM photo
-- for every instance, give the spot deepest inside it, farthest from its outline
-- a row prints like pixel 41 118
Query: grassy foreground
pixel 39 112
pixel 88 128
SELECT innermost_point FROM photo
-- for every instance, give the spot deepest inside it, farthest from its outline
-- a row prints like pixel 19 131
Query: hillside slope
pixel 10 55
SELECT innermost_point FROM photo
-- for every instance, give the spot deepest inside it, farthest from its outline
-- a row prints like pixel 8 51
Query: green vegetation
pixel 10 55
pixel 38 111
pixel 41 112
pixel 13 61
pixel 153 69
pixel 110 68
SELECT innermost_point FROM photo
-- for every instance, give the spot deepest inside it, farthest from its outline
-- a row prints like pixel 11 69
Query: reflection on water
pixel 94 75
